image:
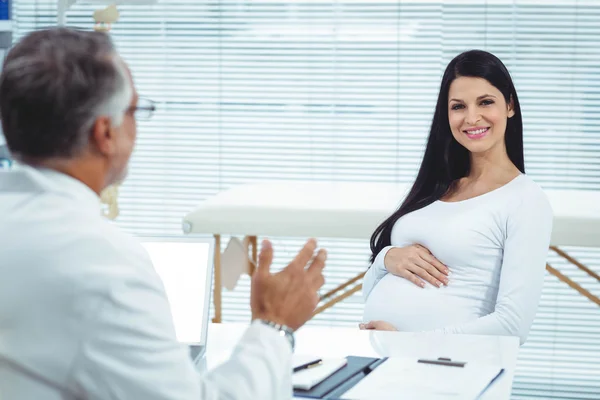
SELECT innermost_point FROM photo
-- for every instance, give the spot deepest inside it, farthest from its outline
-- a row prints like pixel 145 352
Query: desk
pixel 341 342
pixel 353 210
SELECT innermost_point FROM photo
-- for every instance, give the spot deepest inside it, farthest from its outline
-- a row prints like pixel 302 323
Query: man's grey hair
pixel 55 84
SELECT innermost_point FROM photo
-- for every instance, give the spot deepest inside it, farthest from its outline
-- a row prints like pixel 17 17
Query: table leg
pixel 218 288
pixel 573 261
pixel 252 243
pixel 565 279
pixel 337 299
pixel 340 297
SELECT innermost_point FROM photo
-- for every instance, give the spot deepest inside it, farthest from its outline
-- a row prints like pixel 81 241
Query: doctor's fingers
pixel 304 255
pixel 315 271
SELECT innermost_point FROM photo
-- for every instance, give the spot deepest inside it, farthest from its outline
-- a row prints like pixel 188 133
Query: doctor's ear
pixel 103 136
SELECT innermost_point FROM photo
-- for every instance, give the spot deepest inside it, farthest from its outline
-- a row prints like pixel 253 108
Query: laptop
pixel 185 266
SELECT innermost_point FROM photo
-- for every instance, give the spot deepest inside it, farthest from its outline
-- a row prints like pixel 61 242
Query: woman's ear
pixel 511 107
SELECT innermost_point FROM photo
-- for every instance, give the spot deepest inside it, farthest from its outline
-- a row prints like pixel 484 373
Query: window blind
pixel 253 90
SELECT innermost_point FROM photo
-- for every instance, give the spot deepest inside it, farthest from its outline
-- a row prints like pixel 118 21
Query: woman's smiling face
pixel 477 114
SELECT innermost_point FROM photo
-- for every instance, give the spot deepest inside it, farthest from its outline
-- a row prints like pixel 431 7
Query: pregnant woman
pixel 466 251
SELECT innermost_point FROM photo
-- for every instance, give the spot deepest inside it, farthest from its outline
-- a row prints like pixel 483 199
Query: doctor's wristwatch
pixel 283 331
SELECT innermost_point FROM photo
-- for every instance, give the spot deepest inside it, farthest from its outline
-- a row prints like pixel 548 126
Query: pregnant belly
pixel 411 308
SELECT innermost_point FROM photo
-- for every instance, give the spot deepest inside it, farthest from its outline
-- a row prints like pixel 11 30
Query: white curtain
pixel 253 90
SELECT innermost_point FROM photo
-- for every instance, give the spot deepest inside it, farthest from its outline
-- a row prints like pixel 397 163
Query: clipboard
pixel 357 368
pixel 339 382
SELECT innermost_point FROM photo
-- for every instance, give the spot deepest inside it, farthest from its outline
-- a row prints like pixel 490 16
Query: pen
pixel 308 365
pixel 444 361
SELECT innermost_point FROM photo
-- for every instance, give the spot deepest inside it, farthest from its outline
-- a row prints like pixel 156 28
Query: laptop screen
pixel 185 268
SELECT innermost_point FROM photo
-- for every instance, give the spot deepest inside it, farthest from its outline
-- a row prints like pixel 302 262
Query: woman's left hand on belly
pixel 377 326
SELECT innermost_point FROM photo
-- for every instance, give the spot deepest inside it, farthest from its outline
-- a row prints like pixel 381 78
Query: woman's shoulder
pixel 527 185
pixel 527 194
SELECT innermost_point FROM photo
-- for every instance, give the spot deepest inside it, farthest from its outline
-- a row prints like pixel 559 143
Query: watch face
pixel 283 331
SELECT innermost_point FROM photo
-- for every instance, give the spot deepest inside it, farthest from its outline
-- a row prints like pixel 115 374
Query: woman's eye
pixel 456 107
pixel 487 102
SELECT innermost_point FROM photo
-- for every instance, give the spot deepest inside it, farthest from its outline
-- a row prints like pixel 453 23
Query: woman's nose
pixel 473 116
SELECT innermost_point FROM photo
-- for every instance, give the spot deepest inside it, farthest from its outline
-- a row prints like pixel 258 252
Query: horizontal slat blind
pixel 253 90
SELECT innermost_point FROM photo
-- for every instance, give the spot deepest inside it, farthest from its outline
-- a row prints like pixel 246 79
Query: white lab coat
pixel 84 315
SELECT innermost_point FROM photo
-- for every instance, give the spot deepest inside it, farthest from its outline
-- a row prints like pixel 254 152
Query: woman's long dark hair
pixel 445 160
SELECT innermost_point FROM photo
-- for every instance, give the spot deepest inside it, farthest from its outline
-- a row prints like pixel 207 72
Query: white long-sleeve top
pixel 84 315
pixel 495 246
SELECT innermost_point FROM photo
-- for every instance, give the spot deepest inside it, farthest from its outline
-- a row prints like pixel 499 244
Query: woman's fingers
pixel 439 270
pixel 436 263
pixel 433 271
pixel 409 276
pixel 418 265
pixel 377 325
pixel 422 271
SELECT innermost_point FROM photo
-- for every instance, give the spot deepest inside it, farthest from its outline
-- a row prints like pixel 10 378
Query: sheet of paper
pixel 306 379
pixel 405 378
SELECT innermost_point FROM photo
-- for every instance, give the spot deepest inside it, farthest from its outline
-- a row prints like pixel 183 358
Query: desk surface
pixel 341 342
pixel 354 209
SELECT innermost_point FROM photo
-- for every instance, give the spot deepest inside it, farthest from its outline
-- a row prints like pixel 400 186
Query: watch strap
pixel 284 331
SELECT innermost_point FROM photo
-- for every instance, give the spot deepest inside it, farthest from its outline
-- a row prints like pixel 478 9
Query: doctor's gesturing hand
pixel 288 297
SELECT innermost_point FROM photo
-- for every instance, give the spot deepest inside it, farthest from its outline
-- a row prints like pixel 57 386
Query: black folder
pixel 342 380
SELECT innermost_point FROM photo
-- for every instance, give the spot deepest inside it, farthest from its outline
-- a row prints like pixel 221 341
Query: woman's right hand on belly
pixel 416 264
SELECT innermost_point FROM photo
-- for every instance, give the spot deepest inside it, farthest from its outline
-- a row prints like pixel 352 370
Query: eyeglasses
pixel 143 110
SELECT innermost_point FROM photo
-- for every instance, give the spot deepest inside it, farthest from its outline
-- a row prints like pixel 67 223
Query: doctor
pixel 82 312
